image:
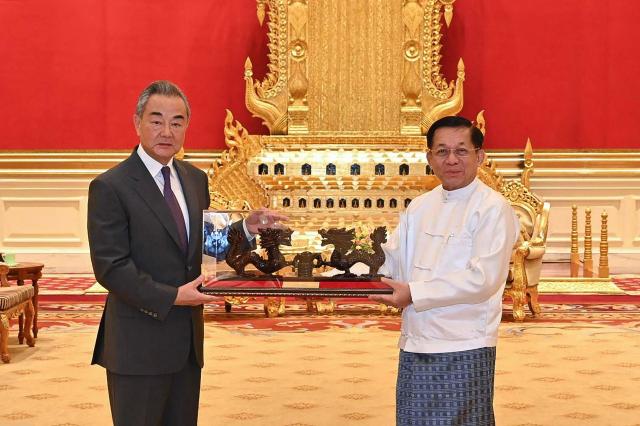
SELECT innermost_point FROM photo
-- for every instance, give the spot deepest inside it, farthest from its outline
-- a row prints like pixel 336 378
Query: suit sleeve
pixel 108 230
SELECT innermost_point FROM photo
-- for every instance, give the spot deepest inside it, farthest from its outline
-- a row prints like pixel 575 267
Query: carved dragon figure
pixel 270 240
pixel 343 258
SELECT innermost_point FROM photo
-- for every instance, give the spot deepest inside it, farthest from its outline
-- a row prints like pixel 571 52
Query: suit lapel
pixel 189 187
pixel 146 187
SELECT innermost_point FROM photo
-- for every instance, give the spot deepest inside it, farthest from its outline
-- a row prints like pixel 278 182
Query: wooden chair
pixel 14 300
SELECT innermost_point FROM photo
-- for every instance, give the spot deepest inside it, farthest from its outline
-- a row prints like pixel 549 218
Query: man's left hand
pixel 264 218
pixel 401 297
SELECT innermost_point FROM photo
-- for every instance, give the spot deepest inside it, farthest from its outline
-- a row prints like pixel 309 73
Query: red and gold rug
pixel 576 365
pixel 66 305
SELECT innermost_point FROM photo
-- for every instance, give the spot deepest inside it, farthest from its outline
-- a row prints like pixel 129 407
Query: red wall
pixel 566 73
pixel 562 72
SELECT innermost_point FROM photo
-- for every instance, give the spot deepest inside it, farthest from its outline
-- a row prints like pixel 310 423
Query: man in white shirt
pixel 448 260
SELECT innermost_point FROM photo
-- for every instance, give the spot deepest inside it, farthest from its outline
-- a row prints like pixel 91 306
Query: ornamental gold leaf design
pixel 244 416
pixel 300 405
pixel 580 416
pixel 40 396
pixel 517 405
pixel 356 416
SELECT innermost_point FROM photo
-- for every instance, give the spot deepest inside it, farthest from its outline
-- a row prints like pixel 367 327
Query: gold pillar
pixel 575 257
pixel 588 254
pixel 603 270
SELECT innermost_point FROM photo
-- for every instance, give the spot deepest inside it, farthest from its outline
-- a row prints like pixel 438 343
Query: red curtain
pixel 561 72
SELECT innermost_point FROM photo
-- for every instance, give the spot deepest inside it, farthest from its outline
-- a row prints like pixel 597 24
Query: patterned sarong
pixel 445 389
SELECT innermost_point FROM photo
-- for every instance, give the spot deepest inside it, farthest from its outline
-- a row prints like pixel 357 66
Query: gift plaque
pixel 236 264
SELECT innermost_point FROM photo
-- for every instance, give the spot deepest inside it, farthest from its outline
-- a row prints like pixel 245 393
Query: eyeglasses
pixel 458 152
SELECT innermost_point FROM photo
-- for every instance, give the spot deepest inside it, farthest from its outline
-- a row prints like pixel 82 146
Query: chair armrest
pixel 539 236
pixel 535 252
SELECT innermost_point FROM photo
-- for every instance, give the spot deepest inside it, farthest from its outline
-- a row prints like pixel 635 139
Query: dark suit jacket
pixel 136 256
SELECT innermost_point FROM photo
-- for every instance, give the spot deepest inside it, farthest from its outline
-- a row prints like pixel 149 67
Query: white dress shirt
pixel 155 168
pixel 453 248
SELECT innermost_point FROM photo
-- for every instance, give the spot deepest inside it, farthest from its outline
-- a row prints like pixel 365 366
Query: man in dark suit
pixel 145 236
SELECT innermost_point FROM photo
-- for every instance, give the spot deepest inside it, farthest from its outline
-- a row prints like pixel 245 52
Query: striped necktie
pixel 176 212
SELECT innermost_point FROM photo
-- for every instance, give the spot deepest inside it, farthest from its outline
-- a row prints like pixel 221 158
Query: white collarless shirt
pixel 155 168
pixel 453 248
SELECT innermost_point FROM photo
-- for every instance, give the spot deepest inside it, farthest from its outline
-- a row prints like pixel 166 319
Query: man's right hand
pixel 188 294
pixel 401 297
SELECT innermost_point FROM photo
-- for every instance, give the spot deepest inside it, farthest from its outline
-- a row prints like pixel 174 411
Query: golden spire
pixel 575 257
pixel 588 254
pixel 603 270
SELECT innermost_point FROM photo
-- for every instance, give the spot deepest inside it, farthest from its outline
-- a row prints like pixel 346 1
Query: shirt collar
pixel 151 164
pixel 460 193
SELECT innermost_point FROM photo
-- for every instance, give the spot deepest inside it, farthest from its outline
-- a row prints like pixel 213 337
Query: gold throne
pixel 351 90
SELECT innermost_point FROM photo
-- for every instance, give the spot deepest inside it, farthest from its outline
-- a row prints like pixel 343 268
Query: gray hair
pixel 164 88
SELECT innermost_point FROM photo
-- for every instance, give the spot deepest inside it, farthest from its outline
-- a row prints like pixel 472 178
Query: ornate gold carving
pixel 411 113
pixel 450 106
pixel 439 98
pixel 480 123
pixel 304 92
pixel 388 310
pixel 355 67
pixel 575 257
pixel 532 299
pixel 261 10
pixel 273 112
pixel 349 84
pixel 588 255
pixel 448 10
pixel 267 99
pixel 274 306
pixel 434 81
pixel 603 270
pixel 324 306
pixel 366 143
pixel 298 82
pixel 4 321
pixel 528 165
pixel 516 193
pixel 518 288
pixel 489 175
pixel 230 185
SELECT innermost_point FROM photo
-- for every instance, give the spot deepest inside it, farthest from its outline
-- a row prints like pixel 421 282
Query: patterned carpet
pixel 546 374
pixel 578 365
pixel 64 304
